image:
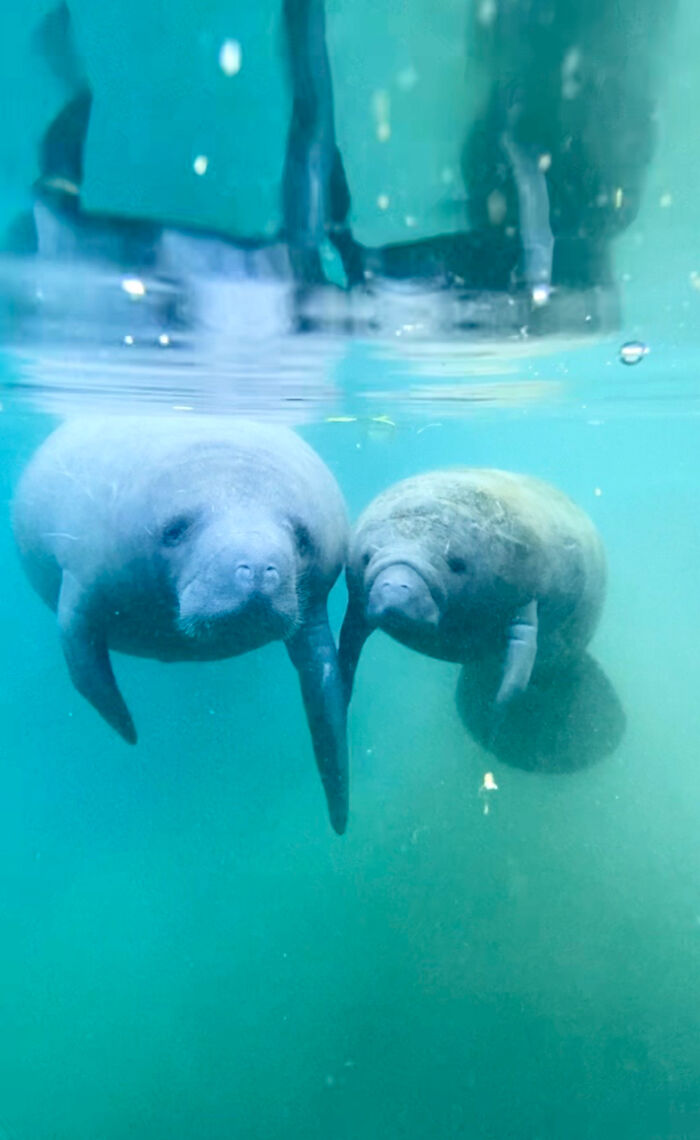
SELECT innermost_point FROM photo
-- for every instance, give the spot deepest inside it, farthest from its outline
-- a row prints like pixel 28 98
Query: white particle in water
pixel 134 287
pixel 128 340
pixel 571 80
pixel 383 201
pixel 487 12
pixel 381 109
pixel 164 339
pixel 633 352
pixel 230 57
pixel 200 164
pixel 407 78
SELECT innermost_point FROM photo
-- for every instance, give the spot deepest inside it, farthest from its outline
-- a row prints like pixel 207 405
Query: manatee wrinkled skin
pixel 189 539
pixel 473 565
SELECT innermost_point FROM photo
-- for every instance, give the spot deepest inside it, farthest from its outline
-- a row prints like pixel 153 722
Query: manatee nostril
pixel 244 572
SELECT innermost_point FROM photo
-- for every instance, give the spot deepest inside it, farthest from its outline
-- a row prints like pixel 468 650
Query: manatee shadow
pixel 566 720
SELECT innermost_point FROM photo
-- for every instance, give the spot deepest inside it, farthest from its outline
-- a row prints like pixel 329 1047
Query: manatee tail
pixel 566 720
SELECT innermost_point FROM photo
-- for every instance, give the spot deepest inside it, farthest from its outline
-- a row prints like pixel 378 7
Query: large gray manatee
pixel 189 539
pixel 497 571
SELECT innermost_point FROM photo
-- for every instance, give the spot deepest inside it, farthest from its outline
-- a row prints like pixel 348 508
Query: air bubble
pixel 633 352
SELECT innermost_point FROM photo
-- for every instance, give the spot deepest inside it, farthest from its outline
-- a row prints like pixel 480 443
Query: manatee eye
pixel 457 565
pixel 176 530
pixel 302 539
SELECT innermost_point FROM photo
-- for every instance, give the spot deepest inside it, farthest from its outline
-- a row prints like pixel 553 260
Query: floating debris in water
pixel 200 164
pixel 488 785
pixel 633 351
pixel 381 108
pixel 487 12
pixel 134 287
pixel 407 78
pixel 230 57
pixel 540 295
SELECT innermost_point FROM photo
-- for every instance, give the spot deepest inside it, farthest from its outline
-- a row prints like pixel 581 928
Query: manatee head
pixel 409 576
pixel 235 572
pixel 440 549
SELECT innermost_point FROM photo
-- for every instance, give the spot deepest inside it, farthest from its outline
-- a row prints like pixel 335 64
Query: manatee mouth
pixel 256 620
pixel 383 561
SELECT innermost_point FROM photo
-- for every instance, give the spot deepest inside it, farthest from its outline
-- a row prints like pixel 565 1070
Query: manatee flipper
pixel 312 652
pixel 353 634
pixel 521 651
pixel 87 657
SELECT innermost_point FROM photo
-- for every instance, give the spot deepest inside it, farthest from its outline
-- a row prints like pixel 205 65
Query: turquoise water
pixel 187 950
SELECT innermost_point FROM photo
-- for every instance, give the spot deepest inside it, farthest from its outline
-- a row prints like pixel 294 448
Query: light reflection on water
pixel 78 337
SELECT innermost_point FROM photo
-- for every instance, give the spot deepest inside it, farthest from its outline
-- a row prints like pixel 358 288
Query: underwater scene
pixel 350 547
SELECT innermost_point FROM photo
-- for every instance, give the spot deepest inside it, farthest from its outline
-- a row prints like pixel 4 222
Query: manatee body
pixel 189 539
pixel 500 572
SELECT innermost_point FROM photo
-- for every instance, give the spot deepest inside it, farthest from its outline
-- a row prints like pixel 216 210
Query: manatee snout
pixel 242 577
pixel 399 593
pixel 258 578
